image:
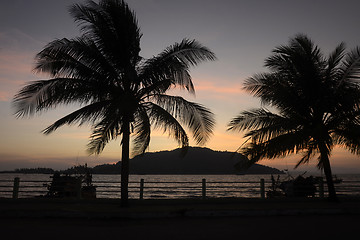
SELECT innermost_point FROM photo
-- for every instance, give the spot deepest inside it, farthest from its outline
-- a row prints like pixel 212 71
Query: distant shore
pixel 197 161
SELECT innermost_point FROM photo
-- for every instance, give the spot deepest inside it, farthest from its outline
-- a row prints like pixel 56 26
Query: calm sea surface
pixel 167 186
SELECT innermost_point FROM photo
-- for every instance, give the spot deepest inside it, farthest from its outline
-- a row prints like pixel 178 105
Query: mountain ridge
pixel 197 160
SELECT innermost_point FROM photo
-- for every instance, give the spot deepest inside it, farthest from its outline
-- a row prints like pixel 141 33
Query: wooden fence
pixel 156 189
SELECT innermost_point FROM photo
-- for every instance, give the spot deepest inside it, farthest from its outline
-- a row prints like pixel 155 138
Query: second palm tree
pixel 316 103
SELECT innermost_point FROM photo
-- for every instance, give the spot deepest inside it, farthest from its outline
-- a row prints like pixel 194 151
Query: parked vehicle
pixel 66 185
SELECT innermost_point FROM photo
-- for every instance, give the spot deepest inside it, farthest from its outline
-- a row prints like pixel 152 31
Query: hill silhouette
pixel 196 161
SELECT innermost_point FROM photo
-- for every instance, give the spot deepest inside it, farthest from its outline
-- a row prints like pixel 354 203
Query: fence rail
pixel 17 188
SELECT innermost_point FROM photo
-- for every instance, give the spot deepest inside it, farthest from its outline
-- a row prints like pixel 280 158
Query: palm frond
pixel 189 52
pixel 253 119
pixel 280 60
pixel 311 150
pixel 300 56
pixel 279 146
pixel 196 117
pixel 103 132
pixel 142 130
pixel 156 87
pixel 279 91
pixel 74 58
pixel 162 119
pixel 272 88
pixel 114 28
pixel 334 61
pixel 170 70
pixel 174 63
pixel 350 68
pixel 110 124
pixel 44 94
pixel 262 125
pixel 258 85
pixel 348 137
pixel 89 113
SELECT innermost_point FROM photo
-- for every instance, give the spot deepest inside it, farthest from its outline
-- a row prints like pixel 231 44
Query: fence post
pixel 321 188
pixel 16 188
pixel 204 188
pixel 141 189
pixel 262 188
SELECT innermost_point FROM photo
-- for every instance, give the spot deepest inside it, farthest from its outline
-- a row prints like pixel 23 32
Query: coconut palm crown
pixel 120 92
pixel 314 101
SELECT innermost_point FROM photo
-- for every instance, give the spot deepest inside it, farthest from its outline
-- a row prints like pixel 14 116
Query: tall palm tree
pixel 315 102
pixel 120 93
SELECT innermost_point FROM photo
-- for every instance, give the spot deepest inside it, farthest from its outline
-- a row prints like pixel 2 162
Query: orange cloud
pixel 15 70
pixel 225 88
pixel 15 67
pixel 4 96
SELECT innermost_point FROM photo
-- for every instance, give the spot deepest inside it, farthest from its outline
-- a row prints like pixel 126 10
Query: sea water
pixel 167 186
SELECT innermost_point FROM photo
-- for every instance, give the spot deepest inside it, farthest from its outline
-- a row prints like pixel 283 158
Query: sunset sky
pixel 240 33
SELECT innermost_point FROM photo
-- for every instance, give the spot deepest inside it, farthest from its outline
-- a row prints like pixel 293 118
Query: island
pixel 194 160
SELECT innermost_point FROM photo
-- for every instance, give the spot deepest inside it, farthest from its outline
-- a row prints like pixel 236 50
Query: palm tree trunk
pixel 328 174
pixel 125 165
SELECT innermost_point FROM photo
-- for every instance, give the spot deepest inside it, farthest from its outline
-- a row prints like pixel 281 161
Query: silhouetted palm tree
pixel 315 102
pixel 120 92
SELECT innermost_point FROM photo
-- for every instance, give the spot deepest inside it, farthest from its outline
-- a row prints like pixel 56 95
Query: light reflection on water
pixel 187 186
pixel 159 186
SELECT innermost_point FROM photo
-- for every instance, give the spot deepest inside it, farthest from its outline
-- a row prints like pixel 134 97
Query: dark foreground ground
pixel 179 219
pixel 250 227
